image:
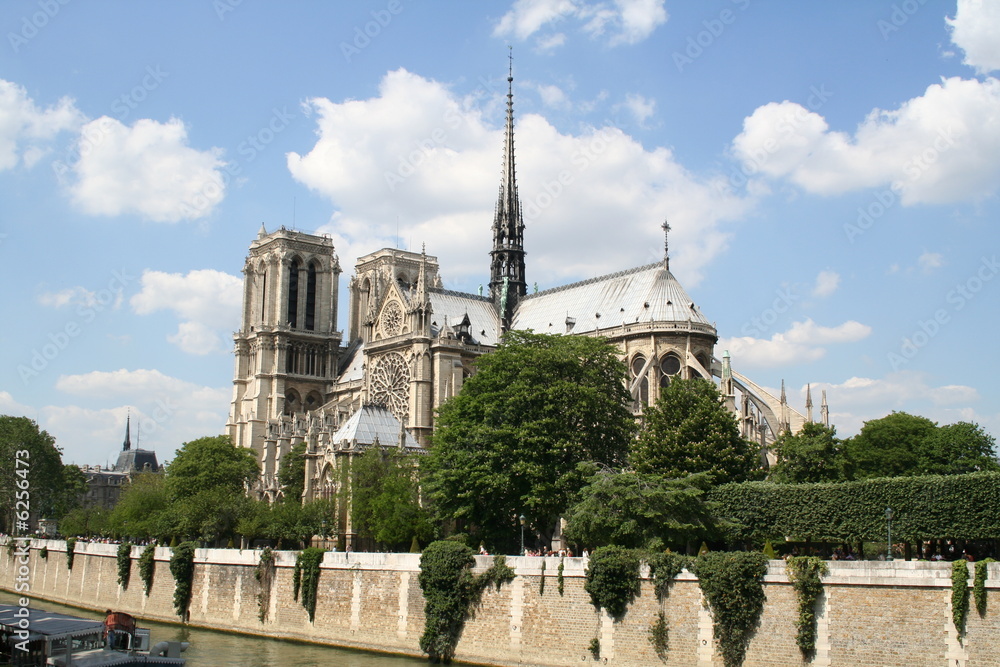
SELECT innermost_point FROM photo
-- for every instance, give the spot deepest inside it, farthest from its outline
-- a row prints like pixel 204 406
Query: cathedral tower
pixel 287 345
pixel 507 279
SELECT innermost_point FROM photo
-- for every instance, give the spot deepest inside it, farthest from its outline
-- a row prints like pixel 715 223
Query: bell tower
pixel 287 345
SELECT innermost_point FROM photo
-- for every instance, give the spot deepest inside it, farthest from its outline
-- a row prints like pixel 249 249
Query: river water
pixel 223 649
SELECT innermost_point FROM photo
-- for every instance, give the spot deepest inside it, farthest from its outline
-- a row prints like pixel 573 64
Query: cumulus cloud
pixel 943 146
pixel 146 169
pixel 437 168
pixel 619 22
pixel 826 283
pixel 802 343
pixel 24 127
pixel 206 301
pixel 81 297
pixel 976 30
pixel 639 107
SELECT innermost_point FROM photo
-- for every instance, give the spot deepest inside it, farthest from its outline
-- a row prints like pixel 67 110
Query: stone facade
pixel 872 614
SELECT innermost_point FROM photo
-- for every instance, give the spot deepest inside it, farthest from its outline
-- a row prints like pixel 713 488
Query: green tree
pixel 42 468
pixel 72 488
pixel 385 499
pixel 640 510
pixel 80 522
pixel 143 510
pixel 292 473
pixel 210 464
pixel 963 447
pixel 689 431
pixel 814 454
pixel 509 443
pixel 893 446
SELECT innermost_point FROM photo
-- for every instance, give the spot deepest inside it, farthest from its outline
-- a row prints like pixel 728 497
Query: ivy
pixel 306 578
pixel 559 578
pixel 70 547
pixel 450 589
pixel 663 568
pixel 541 580
pixel 11 547
pixel 805 573
pixel 265 575
pixel 297 577
pixel 731 583
pixel 595 648
pixel 979 585
pixel 44 553
pixel 182 569
pixel 613 579
pixel 959 593
pixel 658 635
pixel 124 564
pixel 147 566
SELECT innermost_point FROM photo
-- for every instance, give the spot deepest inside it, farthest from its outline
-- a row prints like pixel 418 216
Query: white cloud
pixel 206 301
pixel 641 108
pixel 146 169
pixel 23 125
pixel 976 30
pixel 553 96
pixel 826 283
pixel 943 146
pixel 620 21
pixel 801 343
pixel 929 261
pixel 436 168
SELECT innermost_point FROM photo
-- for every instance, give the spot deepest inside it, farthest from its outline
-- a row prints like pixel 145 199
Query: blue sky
pixel 829 170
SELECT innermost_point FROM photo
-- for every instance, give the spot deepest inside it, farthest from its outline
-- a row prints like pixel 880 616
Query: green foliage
pixel 690 431
pixel 640 510
pixel 769 550
pixel 979 585
pixel 658 635
pixel 613 579
pixel 44 472
pixel 265 575
pixel 510 442
pixel 87 522
pixel 44 553
pixel 934 506
pixel 541 580
pixel 210 464
pixel 805 573
pixel 70 550
pixel 959 594
pixel 124 558
pixel 143 511
pixel 595 648
pixel 182 569
pixel 731 582
pixel 450 590
pixel 307 578
pixel 559 578
pixel 814 454
pixel 663 568
pixel 292 473
pixel 385 500
pixel 147 567
pixel 297 577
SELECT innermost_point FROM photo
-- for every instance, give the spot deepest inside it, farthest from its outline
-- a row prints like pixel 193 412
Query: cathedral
pixel 410 344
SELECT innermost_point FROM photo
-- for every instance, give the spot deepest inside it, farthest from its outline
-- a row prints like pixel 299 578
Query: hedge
pixel 963 507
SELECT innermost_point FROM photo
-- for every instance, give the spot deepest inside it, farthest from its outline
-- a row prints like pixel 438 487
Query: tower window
pixel 311 297
pixel 293 293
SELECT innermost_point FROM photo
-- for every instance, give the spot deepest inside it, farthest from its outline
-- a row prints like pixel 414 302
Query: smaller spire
pixel 809 403
pixel 666 244
pixel 784 399
pixel 127 445
pixel 824 411
pixel 262 232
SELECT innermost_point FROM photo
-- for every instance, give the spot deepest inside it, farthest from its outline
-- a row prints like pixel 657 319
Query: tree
pixel 143 510
pixel 509 443
pixel 963 447
pixel 42 467
pixel 82 522
pixel 894 445
pixel 689 431
pixel 814 454
pixel 210 464
pixel 640 510
pixel 72 488
pixel 385 499
pixel 292 474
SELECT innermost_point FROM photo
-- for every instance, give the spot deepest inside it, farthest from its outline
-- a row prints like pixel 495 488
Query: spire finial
pixel 127 445
pixel 510 63
pixel 666 244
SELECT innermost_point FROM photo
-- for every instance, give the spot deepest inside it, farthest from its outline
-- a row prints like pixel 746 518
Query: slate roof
pixel 135 460
pixel 369 423
pixel 644 294
pixel 450 307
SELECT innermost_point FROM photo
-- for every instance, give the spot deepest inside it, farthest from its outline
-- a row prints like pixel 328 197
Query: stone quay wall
pixel 870 614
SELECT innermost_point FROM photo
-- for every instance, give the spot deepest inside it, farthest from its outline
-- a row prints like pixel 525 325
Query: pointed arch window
pixel 293 292
pixel 642 395
pixel 311 297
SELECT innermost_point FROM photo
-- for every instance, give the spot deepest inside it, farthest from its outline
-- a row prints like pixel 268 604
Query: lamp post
pixel 522 533
pixel 888 524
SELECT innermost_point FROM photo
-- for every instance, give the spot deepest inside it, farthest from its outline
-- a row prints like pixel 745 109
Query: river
pixel 211 648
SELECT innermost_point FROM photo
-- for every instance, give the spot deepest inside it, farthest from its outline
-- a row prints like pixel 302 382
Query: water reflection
pixel 223 649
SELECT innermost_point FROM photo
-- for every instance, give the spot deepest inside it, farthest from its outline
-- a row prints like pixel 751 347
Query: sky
pixel 829 172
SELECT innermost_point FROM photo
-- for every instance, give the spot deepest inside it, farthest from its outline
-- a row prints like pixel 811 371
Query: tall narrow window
pixel 263 295
pixel 638 363
pixel 311 297
pixel 293 293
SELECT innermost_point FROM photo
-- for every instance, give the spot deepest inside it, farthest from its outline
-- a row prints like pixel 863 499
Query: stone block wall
pixel 871 613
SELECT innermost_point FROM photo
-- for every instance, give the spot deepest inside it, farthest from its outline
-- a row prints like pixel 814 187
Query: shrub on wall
pixel 182 569
pixel 663 568
pixel 44 553
pixel 959 593
pixel 306 578
pixel 70 547
pixel 147 566
pixel 124 558
pixel 613 579
pixel 731 582
pixel 559 578
pixel 979 585
pixel 805 573
pixel 265 575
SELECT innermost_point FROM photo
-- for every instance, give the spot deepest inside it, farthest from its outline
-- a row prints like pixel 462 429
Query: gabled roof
pixel 370 424
pixel 644 294
pixel 450 307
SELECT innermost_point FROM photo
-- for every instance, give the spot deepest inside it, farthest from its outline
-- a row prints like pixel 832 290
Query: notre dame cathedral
pixel 410 343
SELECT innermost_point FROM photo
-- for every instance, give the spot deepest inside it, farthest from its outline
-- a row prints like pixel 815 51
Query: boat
pixel 35 638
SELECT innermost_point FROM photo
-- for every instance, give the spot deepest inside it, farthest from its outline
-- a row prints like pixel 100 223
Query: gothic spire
pixel 507 279
pixel 809 404
pixel 127 445
pixel 666 244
